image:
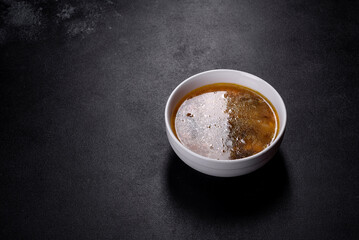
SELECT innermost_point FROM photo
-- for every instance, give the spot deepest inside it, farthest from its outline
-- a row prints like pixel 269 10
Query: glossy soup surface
pixel 225 121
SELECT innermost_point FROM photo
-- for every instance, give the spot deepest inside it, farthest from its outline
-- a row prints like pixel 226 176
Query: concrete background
pixel 83 87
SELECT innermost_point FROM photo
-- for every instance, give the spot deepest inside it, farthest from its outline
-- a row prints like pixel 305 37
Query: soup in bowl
pixel 225 122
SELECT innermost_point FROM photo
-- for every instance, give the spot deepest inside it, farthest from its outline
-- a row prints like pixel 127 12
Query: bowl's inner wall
pixel 235 77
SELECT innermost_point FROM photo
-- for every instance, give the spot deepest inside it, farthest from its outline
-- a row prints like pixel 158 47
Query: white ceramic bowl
pixel 225 168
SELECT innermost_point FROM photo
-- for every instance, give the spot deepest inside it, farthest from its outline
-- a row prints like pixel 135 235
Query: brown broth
pixel 225 121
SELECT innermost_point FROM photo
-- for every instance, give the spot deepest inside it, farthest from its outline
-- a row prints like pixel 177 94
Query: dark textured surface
pixel 83 86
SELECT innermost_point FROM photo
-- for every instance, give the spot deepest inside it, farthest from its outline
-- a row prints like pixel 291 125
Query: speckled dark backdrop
pixel 83 151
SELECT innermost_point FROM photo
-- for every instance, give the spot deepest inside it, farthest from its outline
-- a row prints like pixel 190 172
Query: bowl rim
pixel 227 161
